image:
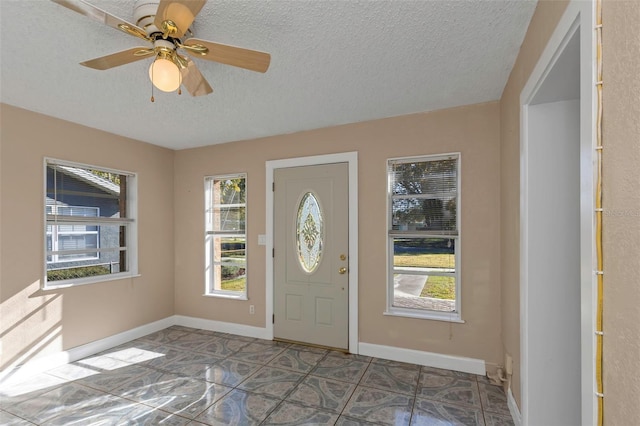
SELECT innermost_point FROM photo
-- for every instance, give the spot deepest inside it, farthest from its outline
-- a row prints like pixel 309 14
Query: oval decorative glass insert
pixel 309 232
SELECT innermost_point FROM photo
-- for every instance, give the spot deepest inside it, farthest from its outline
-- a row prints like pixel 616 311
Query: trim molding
pixel 429 359
pixel 578 16
pixel 47 362
pixel 513 408
pixel 223 327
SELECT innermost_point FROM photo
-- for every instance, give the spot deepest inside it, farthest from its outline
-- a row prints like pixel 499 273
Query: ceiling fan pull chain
pixel 152 99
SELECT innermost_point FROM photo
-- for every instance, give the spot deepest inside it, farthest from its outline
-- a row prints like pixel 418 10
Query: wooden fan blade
pixel 181 12
pixel 230 55
pixel 118 58
pixel 86 9
pixel 194 81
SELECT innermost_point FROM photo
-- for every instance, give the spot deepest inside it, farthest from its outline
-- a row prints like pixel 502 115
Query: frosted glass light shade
pixel 165 75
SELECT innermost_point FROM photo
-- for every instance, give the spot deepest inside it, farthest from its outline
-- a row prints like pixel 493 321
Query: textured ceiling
pixel 332 62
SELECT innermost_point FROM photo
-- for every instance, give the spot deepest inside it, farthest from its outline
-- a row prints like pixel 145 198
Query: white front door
pixel 311 259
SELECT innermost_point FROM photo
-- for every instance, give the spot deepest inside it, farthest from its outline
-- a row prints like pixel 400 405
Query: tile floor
pixel 184 376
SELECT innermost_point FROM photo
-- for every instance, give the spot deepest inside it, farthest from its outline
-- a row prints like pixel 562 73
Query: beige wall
pixel 544 21
pixel 33 322
pixel 621 203
pixel 472 130
pixel 621 199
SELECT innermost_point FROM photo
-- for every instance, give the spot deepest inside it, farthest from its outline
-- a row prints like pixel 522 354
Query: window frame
pixel 209 234
pixel 130 222
pixel 456 315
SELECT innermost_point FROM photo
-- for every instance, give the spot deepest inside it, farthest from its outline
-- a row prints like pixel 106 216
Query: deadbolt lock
pixel 342 270
pixel 343 257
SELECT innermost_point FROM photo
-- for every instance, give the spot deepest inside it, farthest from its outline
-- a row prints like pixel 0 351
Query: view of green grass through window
pixel 423 234
pixel 225 235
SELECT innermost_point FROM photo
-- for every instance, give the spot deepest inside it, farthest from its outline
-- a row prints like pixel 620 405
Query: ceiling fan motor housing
pixel 144 12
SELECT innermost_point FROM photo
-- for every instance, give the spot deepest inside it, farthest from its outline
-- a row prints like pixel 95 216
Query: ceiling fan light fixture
pixel 165 75
pixel 163 24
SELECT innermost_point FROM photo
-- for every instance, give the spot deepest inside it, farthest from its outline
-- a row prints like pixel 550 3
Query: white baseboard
pixel 513 409
pixel 429 359
pixel 223 327
pixel 21 371
pixel 450 362
pixel 47 362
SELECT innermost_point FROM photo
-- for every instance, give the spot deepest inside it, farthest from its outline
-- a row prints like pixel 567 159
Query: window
pixel 424 237
pixel 226 236
pixel 90 228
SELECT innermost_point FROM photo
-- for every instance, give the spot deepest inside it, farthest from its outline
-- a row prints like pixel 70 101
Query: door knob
pixel 342 270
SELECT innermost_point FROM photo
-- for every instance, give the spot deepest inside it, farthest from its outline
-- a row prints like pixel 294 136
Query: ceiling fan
pixel 164 24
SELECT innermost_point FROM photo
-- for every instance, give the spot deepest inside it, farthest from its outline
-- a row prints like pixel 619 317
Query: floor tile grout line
pixel 309 374
pixel 415 395
pixel 20 417
pixel 257 393
pixel 138 403
pixel 285 397
pixel 484 417
pixel 355 388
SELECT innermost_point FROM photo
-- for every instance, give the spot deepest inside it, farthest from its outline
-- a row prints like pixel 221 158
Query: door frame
pixel 351 158
pixel 579 16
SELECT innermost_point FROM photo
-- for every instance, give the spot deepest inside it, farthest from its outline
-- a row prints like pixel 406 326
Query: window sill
pixel 60 285
pixel 427 315
pixel 227 296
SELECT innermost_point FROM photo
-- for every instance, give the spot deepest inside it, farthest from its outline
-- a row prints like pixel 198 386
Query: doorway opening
pixel 557 229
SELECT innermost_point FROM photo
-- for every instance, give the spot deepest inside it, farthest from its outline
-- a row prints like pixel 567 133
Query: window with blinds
pixel 90 227
pixel 423 236
pixel 226 236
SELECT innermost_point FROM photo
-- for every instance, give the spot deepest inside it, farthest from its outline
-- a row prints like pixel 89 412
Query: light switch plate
pixel 262 240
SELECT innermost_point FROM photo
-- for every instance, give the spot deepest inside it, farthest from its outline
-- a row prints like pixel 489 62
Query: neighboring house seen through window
pixel 62 238
pixel 90 232
pixel 424 237
pixel 226 236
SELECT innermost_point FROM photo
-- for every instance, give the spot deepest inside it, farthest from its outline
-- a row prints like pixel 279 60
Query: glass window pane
pixel 78 211
pixel 427 253
pixel 419 214
pixel 77 242
pixel 85 192
pixel 230 191
pixel 229 219
pixel 105 238
pixel 49 244
pixel 424 292
pixel 309 232
pixel 435 178
pixel 73 269
pixel 234 278
pixel 229 250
